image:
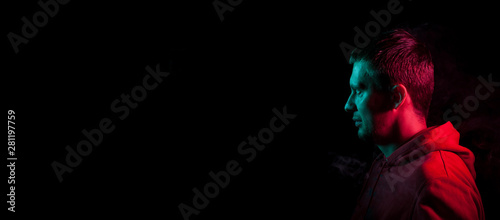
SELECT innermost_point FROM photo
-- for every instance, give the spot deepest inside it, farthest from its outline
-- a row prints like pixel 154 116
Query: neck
pixel 402 132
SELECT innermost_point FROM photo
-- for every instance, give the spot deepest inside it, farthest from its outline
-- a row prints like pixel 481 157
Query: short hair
pixel 399 58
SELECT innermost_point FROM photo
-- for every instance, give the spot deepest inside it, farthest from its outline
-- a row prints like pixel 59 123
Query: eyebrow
pixel 357 86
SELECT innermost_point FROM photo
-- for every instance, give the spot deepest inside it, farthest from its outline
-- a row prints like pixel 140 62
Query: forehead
pixel 360 74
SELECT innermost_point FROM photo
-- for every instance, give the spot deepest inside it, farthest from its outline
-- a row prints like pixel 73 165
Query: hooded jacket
pixel 428 177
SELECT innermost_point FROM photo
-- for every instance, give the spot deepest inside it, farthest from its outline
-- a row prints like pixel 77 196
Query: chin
pixel 363 135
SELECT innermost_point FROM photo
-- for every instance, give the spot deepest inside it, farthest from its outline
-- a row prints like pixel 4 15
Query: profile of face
pixel 370 106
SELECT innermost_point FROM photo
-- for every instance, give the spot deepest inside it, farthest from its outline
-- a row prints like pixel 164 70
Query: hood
pixel 438 138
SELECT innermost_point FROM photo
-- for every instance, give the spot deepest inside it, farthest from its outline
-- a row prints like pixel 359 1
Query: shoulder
pixel 433 165
pixel 442 164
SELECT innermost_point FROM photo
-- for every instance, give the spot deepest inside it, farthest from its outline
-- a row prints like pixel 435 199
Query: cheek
pixel 365 110
pixel 372 107
pixel 367 104
pixel 378 103
pixel 379 107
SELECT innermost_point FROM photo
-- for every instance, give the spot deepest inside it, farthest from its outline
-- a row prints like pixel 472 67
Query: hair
pixel 398 58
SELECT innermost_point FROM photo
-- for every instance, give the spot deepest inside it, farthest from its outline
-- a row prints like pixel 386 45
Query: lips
pixel 357 121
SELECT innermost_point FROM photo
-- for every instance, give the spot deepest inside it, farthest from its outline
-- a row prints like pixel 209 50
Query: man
pixel 422 172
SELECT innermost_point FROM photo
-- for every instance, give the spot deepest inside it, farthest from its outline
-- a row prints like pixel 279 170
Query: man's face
pixel 368 104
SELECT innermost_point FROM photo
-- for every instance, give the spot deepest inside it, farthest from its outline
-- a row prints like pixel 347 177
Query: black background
pixel 226 77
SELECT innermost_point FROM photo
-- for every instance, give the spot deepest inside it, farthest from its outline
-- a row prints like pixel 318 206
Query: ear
pixel 399 94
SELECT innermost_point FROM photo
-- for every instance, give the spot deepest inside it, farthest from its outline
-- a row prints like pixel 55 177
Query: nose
pixel 349 105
